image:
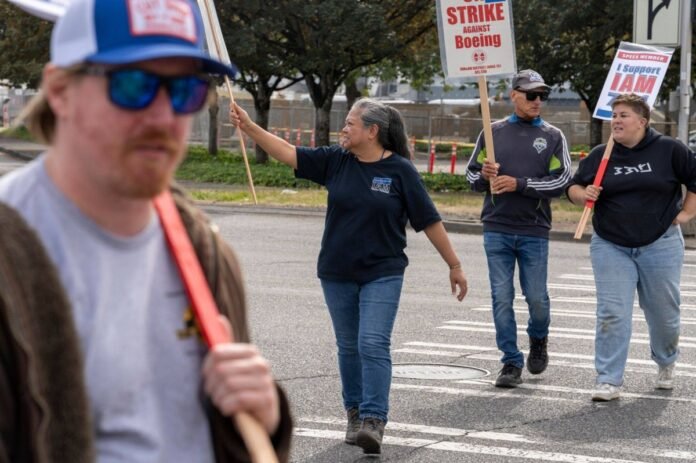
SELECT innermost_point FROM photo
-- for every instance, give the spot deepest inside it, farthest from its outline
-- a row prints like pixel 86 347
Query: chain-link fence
pixel 294 120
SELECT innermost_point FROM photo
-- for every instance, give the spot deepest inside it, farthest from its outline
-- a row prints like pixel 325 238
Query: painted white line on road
pixel 591 289
pixel 579 314
pixel 423 429
pixel 555 330
pixel 556 335
pixel 506 437
pixel 494 394
pixel 593 301
pixel 575 391
pixel 590 277
pixel 469 448
pixel 556 363
pixel 566 355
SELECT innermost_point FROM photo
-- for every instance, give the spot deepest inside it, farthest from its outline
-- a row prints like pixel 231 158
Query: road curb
pixel 17 154
pixel 452 225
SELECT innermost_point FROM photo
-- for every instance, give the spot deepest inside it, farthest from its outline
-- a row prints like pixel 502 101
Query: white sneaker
pixel 604 392
pixel 665 377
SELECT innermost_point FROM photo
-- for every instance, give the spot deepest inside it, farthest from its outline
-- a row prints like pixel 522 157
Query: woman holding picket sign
pixel 373 190
pixel 637 242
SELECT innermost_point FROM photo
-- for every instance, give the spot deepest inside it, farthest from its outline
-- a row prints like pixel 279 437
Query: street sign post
pixel 657 22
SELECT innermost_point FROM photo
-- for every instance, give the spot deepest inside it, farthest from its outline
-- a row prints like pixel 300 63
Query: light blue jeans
pixel 531 254
pixel 655 272
pixel 363 319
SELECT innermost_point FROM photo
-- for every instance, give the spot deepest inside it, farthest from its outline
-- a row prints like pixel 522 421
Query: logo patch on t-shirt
pixel 628 170
pixel 381 184
pixel 540 144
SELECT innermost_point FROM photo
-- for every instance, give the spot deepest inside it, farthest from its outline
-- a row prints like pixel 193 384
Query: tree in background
pixel 257 49
pixel 326 40
pixel 575 42
pixel 24 46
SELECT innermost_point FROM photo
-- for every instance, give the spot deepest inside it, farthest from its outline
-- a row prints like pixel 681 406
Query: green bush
pixel 228 167
pixel 442 182
pixel 19 133
pixel 445 147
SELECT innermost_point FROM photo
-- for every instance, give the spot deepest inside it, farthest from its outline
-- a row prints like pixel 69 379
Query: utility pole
pixel 685 71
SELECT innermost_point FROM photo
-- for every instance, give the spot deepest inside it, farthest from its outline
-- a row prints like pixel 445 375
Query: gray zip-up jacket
pixel 536 154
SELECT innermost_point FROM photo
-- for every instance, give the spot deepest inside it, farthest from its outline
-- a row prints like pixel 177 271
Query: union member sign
pixel 637 69
pixel 476 37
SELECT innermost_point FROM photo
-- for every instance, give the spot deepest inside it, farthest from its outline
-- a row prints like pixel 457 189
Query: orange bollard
pixel 583 154
pixel 431 159
pixel 453 160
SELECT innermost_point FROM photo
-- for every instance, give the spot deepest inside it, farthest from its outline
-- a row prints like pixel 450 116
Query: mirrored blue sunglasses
pixel 136 89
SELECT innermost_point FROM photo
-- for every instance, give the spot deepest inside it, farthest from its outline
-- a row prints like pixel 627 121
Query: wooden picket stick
pixel 254 435
pixel 589 204
pixel 486 115
pixel 220 52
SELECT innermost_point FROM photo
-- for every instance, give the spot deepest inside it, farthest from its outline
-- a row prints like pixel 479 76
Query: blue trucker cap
pixel 118 32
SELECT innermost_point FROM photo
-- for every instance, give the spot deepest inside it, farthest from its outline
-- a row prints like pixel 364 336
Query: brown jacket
pixel 44 411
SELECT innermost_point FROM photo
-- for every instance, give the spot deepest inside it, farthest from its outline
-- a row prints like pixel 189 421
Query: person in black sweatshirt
pixel 532 166
pixel 637 243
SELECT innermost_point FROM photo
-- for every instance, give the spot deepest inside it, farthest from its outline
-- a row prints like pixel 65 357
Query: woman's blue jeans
pixel 363 318
pixel 531 254
pixel 655 272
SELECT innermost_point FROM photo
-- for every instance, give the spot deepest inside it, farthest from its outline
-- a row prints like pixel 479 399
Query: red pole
pixel 431 160
pixel 453 160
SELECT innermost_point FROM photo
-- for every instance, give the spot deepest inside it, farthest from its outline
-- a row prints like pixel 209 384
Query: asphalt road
pixel 550 418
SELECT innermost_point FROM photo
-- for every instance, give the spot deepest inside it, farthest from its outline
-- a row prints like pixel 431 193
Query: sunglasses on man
pixel 531 96
pixel 136 89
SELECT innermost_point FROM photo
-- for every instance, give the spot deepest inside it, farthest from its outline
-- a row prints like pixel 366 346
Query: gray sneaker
pixel 604 392
pixel 354 423
pixel 370 436
pixel 665 377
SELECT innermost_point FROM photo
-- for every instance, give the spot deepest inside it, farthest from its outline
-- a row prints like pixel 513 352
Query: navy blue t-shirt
pixel 368 207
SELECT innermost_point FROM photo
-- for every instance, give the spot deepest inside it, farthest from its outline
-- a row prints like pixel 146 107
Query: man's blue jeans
pixel 655 272
pixel 531 254
pixel 363 318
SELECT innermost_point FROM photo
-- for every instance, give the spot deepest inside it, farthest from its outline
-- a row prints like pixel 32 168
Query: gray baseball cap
pixel 529 80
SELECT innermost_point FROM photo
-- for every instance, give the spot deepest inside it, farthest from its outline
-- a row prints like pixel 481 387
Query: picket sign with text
pixel 638 69
pixel 477 40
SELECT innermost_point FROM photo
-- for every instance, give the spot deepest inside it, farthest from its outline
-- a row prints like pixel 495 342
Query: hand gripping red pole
pixel 255 436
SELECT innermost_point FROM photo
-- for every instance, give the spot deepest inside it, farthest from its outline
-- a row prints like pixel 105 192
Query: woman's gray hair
pixel 392 130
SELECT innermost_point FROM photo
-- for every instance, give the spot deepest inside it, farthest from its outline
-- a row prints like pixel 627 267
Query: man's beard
pixel 152 177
